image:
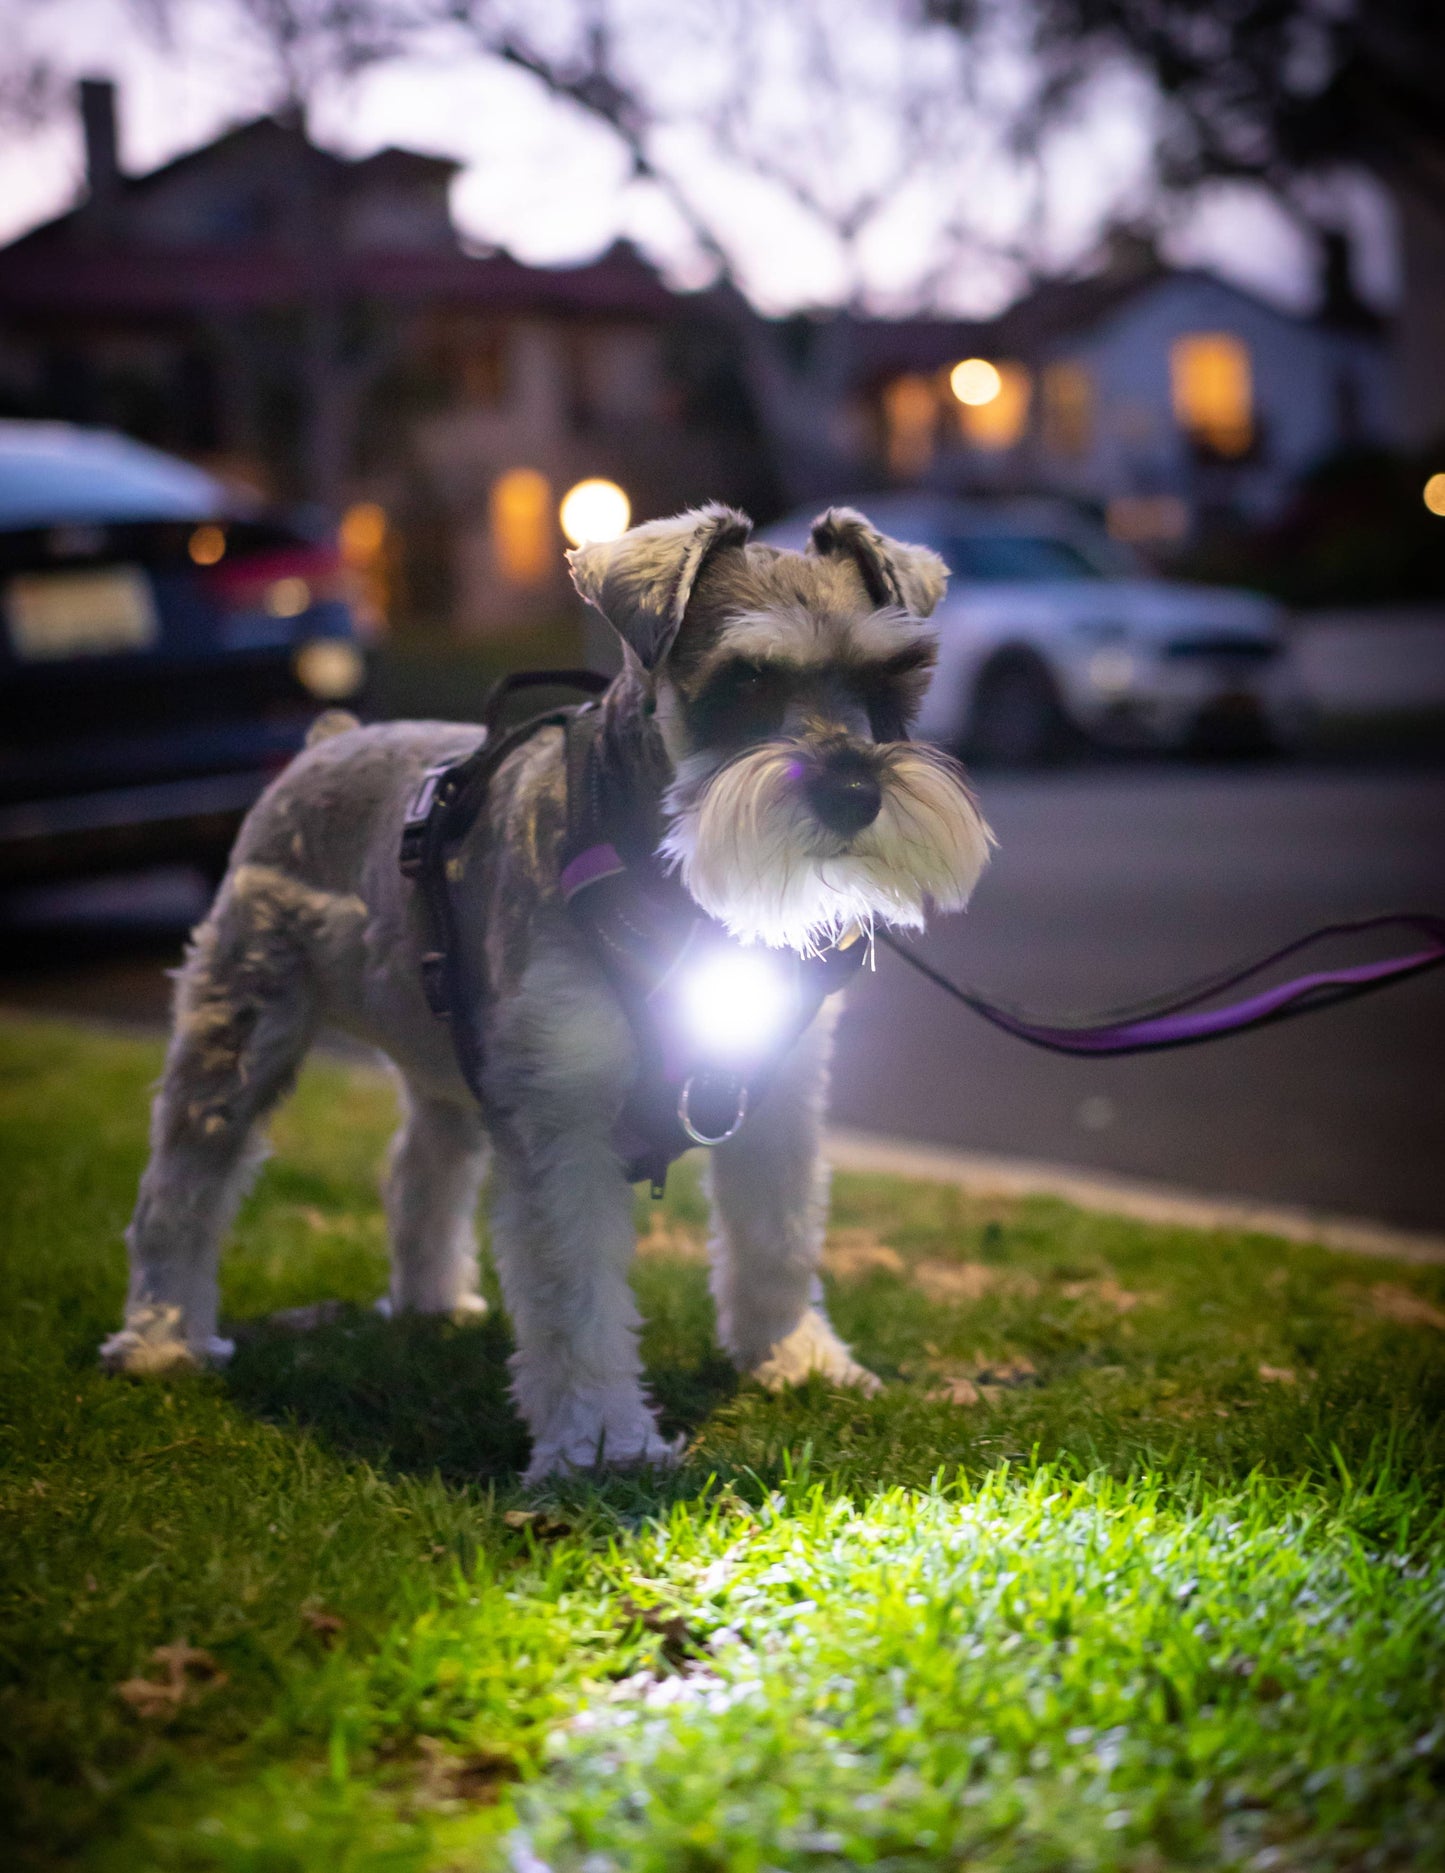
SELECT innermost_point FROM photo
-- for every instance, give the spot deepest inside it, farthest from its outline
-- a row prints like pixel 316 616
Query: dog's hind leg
pixel 433 1178
pixel 244 1016
pixel 769 1191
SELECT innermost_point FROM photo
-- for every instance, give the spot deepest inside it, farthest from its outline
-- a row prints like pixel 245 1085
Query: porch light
pixel 594 510
pixel 975 381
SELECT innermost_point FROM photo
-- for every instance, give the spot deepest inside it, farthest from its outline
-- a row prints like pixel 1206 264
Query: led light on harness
pixel 735 1002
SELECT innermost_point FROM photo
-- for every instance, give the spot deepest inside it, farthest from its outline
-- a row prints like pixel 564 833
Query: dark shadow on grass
pixel 424 1395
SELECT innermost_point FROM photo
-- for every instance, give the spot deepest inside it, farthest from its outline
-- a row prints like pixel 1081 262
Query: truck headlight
pixel 1112 670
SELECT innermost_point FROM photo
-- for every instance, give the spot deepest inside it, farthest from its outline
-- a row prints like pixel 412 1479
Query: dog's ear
pixel 641 582
pixel 894 574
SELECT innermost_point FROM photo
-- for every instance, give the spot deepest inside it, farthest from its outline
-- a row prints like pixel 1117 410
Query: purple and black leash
pixel 1179 1021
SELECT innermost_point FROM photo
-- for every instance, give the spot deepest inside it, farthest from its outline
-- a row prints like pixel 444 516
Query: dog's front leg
pixel 563 1238
pixel 769 1190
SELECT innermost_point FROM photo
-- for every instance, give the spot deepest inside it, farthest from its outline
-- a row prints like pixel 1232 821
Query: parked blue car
pixel 164 644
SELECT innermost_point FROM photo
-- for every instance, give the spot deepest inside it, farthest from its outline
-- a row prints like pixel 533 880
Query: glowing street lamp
pixel 975 381
pixel 1435 495
pixel 594 510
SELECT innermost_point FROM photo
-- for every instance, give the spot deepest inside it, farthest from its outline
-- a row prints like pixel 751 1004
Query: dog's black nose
pixel 844 793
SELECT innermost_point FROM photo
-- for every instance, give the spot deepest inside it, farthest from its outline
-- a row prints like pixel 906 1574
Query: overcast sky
pixel 550 186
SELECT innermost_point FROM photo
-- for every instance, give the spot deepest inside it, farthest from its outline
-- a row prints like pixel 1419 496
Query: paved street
pixel 1113 884
pixel 1110 884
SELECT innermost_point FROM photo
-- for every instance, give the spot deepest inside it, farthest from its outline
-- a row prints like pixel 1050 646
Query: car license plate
pixel 53 615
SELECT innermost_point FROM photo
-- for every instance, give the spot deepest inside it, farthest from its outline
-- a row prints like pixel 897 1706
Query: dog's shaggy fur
pixel 756 738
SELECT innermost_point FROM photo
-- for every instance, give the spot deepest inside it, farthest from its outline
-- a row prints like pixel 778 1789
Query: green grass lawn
pixel 1136 1563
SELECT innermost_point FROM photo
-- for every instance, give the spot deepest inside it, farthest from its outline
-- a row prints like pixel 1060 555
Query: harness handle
pixel 590 682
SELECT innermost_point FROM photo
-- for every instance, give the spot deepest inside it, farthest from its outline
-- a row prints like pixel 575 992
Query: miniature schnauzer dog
pixel 758 732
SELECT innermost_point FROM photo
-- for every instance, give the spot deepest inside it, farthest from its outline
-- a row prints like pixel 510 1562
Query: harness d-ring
pixel 684 1119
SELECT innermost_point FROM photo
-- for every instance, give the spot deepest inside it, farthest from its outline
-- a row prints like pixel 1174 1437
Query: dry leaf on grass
pixel 1015 1371
pixel 852 1254
pixel 1278 1375
pixel 188 1670
pixel 450 1778
pixel 1108 1292
pixel 538 1523
pixel 328 1627
pixel 951 1282
pixel 954 1392
pixel 680 1643
pixel 1404 1307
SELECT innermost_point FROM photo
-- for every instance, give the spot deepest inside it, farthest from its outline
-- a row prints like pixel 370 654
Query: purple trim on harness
pixel 598 861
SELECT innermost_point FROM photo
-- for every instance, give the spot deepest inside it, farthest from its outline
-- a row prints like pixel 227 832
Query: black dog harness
pixel 648 936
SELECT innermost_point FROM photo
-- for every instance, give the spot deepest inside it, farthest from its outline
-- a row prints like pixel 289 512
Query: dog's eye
pixel 742 702
pixel 891 692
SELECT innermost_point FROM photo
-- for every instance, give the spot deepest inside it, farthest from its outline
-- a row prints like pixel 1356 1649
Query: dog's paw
pixel 580 1436
pixel 152 1345
pixel 814 1348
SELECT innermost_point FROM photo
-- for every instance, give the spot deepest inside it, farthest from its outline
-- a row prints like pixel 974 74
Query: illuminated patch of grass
pixel 1171 1592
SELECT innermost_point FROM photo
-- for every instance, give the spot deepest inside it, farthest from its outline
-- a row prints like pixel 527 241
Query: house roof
pixel 76 264
pixel 125 281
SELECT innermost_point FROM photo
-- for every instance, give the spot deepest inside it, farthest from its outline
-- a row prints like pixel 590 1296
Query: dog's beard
pixel 753 854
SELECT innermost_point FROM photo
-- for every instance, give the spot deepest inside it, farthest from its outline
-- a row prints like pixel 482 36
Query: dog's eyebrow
pixel 799 638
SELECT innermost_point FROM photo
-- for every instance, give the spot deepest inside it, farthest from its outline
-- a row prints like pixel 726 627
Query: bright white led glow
pixel 594 510
pixel 735 1003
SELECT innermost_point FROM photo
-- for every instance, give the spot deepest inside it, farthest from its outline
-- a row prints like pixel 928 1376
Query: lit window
pixel 1068 395
pixel 1213 391
pixel 362 537
pixel 910 417
pixel 362 533
pixel 998 423
pixel 520 518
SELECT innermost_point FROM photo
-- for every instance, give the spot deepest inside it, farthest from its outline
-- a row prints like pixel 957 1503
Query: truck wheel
pixel 1016 720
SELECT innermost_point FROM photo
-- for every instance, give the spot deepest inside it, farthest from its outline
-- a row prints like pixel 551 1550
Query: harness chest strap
pixel 645 930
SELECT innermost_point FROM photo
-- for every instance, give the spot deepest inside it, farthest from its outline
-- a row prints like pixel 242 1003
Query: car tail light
pixel 284 581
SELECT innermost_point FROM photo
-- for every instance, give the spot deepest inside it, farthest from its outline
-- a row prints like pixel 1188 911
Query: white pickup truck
pixel 1051 633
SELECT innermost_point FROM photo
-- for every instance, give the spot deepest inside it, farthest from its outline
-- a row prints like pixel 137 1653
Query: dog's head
pixel 783 686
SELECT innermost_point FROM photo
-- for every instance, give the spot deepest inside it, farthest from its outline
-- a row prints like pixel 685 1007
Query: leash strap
pixel 1179 1021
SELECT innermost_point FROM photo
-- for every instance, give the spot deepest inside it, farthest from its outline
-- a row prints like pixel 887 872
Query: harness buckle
pixel 730 1126
pixel 418 816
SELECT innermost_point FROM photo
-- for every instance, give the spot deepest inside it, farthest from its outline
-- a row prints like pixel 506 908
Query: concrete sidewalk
pixel 982 1174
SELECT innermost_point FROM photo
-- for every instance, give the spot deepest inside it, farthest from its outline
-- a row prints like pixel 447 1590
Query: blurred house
pixel 312 324
pixel 1175 402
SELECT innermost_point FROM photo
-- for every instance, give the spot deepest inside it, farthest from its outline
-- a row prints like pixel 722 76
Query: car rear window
pixel 51 475
pixel 1015 558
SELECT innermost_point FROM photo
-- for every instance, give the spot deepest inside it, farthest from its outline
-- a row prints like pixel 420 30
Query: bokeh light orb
pixel 594 510
pixel 975 381
pixel 1435 494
